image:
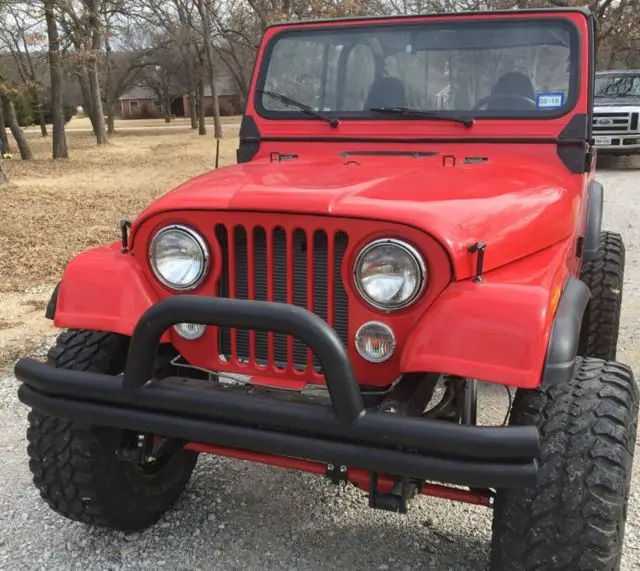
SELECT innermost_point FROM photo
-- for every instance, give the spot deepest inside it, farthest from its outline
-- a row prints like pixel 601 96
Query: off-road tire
pixel 574 517
pixel 74 465
pixel 604 276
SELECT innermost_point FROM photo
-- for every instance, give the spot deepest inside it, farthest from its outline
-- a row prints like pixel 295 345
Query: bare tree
pixel 176 22
pixel 21 33
pixel 82 26
pixel 202 126
pixel 12 120
pixel 4 139
pixel 205 16
pixel 122 71
pixel 95 30
pixel 60 150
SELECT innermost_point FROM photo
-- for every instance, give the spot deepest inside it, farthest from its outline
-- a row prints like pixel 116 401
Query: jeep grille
pixel 303 268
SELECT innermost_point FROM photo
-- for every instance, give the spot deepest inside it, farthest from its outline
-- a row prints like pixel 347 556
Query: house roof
pixel 224 82
pixel 138 92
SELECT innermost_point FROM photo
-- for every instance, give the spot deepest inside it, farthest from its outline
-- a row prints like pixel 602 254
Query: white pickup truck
pixel 616 118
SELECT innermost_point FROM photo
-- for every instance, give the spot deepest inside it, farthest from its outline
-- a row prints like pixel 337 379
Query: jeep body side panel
pixel 497 330
pixel 104 290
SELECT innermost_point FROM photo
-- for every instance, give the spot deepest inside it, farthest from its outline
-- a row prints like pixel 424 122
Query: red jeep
pixel 413 214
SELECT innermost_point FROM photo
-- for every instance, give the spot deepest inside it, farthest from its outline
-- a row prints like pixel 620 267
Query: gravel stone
pixel 281 520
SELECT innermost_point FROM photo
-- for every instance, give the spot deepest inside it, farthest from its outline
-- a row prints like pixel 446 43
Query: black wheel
pixel 574 517
pixel 604 276
pixel 74 465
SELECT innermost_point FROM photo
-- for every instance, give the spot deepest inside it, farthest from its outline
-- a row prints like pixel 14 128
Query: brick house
pixel 141 102
pixel 229 96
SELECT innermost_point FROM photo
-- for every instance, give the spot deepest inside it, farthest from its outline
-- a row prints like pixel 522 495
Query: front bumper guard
pixel 275 422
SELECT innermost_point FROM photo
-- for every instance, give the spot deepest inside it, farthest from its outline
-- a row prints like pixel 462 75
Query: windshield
pixel 502 69
pixel 623 85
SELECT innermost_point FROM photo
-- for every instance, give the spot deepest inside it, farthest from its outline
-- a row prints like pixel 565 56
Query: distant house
pixel 141 102
pixel 229 97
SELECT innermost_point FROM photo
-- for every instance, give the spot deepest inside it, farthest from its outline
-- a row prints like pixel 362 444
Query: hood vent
pixel 389 153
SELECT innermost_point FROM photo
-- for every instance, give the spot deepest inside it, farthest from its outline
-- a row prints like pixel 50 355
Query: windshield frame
pixel 576 68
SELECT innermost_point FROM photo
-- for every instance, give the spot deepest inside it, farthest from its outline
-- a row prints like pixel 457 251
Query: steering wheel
pixel 508 96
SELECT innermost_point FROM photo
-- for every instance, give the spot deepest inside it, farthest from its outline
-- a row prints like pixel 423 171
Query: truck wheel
pixel 74 465
pixel 604 276
pixel 574 516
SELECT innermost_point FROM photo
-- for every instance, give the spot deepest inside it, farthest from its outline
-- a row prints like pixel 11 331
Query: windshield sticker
pixel 550 100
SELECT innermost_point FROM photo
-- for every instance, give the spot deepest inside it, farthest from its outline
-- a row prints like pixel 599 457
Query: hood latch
pixel 478 248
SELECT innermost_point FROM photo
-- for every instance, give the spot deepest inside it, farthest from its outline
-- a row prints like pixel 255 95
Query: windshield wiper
pixel 333 121
pixel 466 121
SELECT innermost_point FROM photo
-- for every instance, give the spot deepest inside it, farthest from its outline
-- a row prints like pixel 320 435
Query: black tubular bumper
pixel 271 422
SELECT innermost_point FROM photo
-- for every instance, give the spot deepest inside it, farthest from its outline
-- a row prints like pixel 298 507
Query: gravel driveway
pixel 235 515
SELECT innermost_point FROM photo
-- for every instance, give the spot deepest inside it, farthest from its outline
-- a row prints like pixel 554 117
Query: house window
pixel 157 106
pixel 133 106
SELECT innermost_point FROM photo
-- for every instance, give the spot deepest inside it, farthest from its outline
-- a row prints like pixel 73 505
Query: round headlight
pixel 375 342
pixel 179 257
pixel 190 331
pixel 390 274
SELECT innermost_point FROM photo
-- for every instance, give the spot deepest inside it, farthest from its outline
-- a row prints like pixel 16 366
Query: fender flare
pixel 594 221
pixel 102 289
pixel 565 333
pixel 50 312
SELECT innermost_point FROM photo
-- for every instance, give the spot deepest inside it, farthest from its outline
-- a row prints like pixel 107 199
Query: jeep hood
pixel 515 208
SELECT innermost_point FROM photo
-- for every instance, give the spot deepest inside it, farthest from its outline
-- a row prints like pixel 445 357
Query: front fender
pixel 103 289
pixel 497 330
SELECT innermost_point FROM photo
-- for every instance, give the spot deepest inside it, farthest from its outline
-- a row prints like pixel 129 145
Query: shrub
pixel 24 108
pixel 68 110
pixel 27 110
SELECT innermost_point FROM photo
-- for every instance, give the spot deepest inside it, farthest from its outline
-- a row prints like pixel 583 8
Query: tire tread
pixel 74 465
pixel 605 278
pixel 575 515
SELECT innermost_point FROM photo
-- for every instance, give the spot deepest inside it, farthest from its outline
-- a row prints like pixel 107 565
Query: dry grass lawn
pixel 54 209
pixel 51 210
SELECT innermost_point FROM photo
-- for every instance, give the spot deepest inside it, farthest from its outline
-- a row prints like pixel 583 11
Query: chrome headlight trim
pixel 388 329
pixel 417 258
pixel 198 239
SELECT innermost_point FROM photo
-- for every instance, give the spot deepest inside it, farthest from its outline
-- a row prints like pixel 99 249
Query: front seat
pixel 512 83
pixel 386 91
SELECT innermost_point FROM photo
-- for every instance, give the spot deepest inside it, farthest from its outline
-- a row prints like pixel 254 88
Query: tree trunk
pixel 94 78
pixel 166 106
pixel 108 88
pixel 4 139
pixel 60 150
pixel 43 123
pixel 206 28
pixel 16 131
pixel 83 82
pixel 96 104
pixel 193 115
pixel 202 126
pixel 111 123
